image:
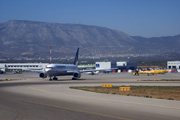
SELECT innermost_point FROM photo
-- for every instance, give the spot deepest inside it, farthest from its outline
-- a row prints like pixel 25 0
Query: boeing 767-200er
pixel 54 70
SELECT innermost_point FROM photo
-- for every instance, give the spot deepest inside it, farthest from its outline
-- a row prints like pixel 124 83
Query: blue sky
pixel 148 18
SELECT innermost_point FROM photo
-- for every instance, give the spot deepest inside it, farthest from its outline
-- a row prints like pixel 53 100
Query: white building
pixel 121 63
pixel 20 66
pixel 122 66
pixel 103 65
pixel 173 65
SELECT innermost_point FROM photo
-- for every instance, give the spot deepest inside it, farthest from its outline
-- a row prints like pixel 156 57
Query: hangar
pixel 123 66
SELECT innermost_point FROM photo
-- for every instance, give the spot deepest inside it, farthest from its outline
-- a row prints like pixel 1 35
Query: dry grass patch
pixel 171 80
pixel 160 92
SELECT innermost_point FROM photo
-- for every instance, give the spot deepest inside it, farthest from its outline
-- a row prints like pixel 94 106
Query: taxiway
pixel 28 97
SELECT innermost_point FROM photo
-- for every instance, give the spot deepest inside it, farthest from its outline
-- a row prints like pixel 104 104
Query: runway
pixel 32 98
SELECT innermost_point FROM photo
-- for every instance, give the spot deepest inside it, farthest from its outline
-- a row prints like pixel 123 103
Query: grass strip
pixel 160 92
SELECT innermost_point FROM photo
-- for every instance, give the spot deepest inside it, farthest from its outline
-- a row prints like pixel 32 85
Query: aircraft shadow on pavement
pixel 70 80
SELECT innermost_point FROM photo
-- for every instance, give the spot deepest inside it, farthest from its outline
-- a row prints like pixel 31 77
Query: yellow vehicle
pixel 151 72
pixel 17 72
pixel 159 71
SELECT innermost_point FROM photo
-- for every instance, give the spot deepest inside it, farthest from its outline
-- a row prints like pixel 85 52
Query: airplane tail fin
pixel 141 69
pixel 76 57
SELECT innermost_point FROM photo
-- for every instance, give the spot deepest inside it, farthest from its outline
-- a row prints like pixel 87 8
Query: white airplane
pixel 54 70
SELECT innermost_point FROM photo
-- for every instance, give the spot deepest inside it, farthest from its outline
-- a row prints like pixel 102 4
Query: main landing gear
pixel 74 78
pixel 54 78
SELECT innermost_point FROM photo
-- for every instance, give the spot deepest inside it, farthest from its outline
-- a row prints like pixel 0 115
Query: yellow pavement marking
pixel 121 101
pixel 61 107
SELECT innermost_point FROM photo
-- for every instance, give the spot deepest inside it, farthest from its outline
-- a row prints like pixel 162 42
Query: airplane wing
pixel 34 70
pixel 94 70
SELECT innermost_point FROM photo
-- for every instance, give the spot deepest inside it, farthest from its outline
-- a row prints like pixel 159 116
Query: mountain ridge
pixel 32 38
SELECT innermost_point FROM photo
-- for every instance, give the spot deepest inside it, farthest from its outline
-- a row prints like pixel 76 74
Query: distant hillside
pixel 32 39
pixel 159 45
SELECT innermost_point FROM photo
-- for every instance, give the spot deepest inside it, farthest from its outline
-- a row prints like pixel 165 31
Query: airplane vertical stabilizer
pixel 76 57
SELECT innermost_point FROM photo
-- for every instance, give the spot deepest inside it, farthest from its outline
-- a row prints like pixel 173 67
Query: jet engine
pixel 42 75
pixel 76 75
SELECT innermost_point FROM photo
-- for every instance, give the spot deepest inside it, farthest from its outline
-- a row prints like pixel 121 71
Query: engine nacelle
pixel 42 75
pixel 76 75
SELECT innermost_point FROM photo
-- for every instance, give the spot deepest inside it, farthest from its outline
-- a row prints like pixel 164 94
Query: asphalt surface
pixel 28 97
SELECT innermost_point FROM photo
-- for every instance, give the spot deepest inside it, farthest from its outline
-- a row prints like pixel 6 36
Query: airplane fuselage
pixel 61 69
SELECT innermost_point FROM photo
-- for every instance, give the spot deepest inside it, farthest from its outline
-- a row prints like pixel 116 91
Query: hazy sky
pixel 148 18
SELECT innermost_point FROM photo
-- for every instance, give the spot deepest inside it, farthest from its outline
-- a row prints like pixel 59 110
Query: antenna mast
pixel 50 54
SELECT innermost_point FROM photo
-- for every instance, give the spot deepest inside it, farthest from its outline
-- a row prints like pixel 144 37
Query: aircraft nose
pixel 47 69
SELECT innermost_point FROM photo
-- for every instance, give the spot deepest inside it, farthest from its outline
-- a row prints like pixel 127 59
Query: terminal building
pixel 121 66
pixel 19 66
